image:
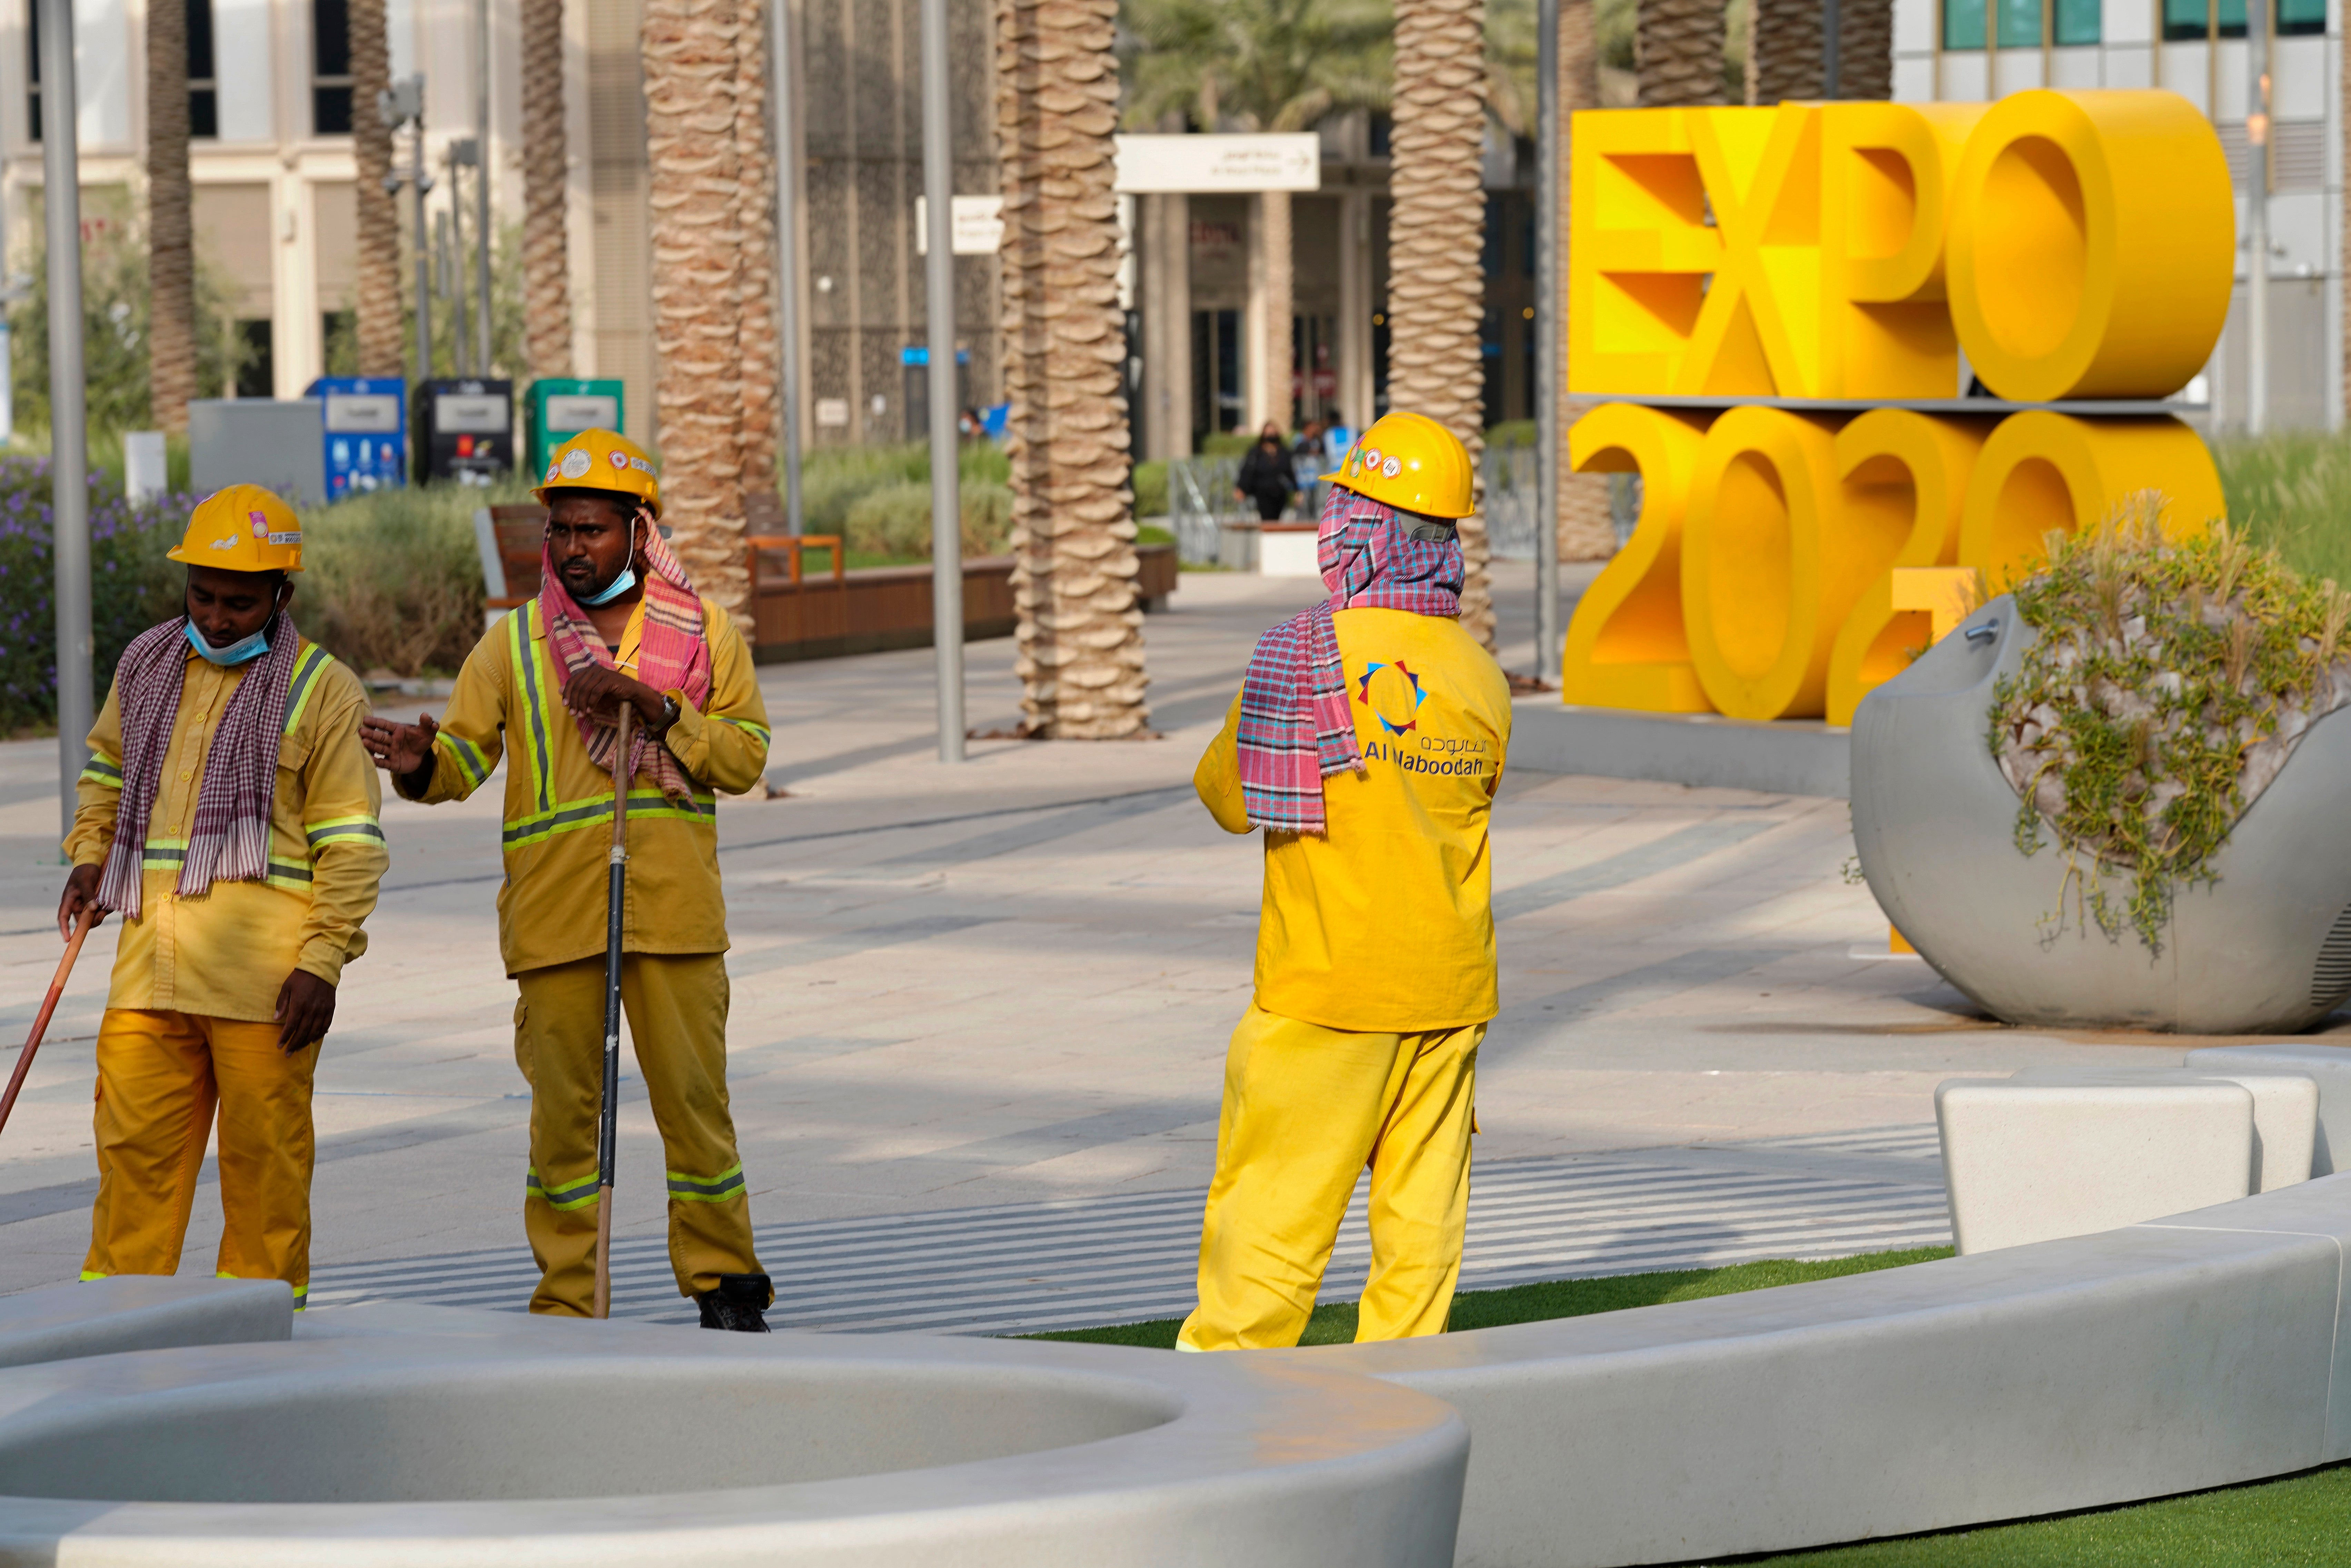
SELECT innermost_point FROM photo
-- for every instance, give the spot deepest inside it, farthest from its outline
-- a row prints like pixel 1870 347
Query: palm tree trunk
pixel 1866 50
pixel 1784 51
pixel 1586 531
pixel 376 281
pixel 545 246
pixel 1678 49
pixel 1277 347
pixel 1073 573
pixel 760 347
pixel 1436 284
pixel 171 234
pixel 707 156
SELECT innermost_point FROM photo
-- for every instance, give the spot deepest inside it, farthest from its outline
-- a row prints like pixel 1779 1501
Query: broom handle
pixel 48 1005
pixel 608 1132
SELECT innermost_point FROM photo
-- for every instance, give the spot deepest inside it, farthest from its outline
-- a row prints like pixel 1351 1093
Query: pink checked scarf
pixel 672 656
pixel 229 841
pixel 1295 727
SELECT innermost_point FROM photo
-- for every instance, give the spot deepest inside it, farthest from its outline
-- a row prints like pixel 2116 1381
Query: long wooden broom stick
pixel 608 1132
pixel 48 1005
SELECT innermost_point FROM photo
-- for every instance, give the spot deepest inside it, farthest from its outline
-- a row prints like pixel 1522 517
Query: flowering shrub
pixel 133 587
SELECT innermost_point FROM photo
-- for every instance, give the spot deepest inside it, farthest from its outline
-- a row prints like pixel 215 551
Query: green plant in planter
pixel 2172 680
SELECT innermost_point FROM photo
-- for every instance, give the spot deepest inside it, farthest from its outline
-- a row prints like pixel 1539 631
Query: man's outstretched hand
pixel 305 1010
pixel 81 891
pixel 403 750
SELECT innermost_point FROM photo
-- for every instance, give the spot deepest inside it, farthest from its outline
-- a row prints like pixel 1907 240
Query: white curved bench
pixel 627 1443
pixel 140 1311
pixel 2189 1352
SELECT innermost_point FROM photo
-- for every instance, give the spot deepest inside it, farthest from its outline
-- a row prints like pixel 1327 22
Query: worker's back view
pixel 1367 741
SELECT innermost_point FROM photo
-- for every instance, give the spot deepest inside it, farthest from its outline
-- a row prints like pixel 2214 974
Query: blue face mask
pixel 242 651
pixel 620 585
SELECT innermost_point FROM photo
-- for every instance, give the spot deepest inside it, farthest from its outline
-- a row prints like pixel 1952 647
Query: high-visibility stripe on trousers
pixel 161 1076
pixel 1306 1109
pixel 676 1009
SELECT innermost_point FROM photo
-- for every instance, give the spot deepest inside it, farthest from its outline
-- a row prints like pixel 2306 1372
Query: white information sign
pixel 977 224
pixel 1209 164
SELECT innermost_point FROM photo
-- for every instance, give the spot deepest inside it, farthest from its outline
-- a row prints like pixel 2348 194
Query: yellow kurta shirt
pixel 1386 925
pixel 559 805
pixel 227 953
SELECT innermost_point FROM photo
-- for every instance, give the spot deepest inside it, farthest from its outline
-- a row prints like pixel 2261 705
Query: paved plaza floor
pixel 979 1015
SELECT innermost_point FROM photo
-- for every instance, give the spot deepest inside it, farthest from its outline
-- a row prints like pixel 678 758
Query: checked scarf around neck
pixel 229 841
pixel 674 655
pixel 1295 727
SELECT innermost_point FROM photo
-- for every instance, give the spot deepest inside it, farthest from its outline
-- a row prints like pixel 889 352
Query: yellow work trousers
pixel 1306 1108
pixel 161 1076
pixel 676 1007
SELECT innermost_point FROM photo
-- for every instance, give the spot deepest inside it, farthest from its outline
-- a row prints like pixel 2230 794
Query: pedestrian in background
pixel 1265 477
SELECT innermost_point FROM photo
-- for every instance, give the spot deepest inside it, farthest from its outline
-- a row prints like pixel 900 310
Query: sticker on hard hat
pixel 1393 468
pixel 260 525
pixel 640 464
pixel 292 538
pixel 1370 457
pixel 620 459
pixel 550 475
pixel 575 465
pixel 229 543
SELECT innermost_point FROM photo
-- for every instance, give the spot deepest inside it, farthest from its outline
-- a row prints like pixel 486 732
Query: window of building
pixel 2071 23
pixel 331 67
pixel 204 100
pixel 2189 19
pixel 256 371
pixel 33 68
pixel 2301 17
pixel 1383 127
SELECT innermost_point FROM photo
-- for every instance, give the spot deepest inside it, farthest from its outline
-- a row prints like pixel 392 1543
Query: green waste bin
pixel 562 406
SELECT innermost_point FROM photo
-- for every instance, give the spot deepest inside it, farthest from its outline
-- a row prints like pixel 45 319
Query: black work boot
pixel 736 1303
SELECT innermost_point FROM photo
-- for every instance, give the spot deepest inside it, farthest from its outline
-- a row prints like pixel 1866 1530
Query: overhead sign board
pixel 976 224
pixel 1208 164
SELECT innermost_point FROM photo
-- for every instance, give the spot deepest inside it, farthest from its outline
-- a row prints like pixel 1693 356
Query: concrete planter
pixel 2266 947
pixel 484 1441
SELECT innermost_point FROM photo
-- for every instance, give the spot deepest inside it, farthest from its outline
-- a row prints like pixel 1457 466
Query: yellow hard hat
pixel 1412 463
pixel 601 460
pixel 242 528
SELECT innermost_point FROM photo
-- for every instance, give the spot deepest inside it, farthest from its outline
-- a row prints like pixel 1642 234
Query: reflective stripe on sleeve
pixel 748 726
pixel 362 826
pixel 101 772
pixel 467 755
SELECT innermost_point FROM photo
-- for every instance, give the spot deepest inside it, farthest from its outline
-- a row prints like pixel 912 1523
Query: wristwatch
pixel 669 711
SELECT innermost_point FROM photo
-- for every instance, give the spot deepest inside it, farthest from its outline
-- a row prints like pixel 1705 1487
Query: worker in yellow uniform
pixel 1367 741
pixel 228 814
pixel 616 620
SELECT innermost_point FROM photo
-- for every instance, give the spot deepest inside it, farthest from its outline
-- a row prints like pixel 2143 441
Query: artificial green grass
pixel 2303 1519
pixel 2292 491
pixel 1334 1323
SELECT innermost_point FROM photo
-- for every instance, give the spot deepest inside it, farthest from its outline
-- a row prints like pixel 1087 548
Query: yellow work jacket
pixel 559 805
pixel 1385 924
pixel 227 953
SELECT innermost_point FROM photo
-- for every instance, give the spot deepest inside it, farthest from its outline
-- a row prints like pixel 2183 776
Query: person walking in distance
pixel 229 815
pixel 1366 742
pixel 1265 477
pixel 616 620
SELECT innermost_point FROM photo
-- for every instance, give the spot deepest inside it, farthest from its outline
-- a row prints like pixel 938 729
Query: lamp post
pixel 1548 647
pixel 69 432
pixel 482 187
pixel 787 257
pixel 938 275
pixel 2257 215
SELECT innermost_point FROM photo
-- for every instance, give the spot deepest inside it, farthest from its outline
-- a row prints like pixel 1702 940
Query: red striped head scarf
pixel 1295 727
pixel 672 656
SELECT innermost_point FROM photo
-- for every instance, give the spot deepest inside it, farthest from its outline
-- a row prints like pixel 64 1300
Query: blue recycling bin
pixel 365 432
